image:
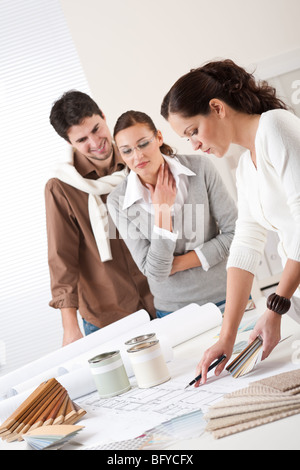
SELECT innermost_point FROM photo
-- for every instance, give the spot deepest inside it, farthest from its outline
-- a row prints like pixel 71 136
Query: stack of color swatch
pixel 247 359
pixel 262 402
pixel 51 437
pixel 49 404
pixel 162 436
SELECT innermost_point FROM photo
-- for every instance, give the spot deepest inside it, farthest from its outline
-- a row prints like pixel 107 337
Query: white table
pixel 283 434
pixel 279 435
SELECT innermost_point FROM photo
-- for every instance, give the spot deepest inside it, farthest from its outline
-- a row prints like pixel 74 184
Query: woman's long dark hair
pixel 191 94
pixel 131 118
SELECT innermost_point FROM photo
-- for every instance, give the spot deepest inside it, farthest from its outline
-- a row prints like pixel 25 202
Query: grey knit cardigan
pixel 207 220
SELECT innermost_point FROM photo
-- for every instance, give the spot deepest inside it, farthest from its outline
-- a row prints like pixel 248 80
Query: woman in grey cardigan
pixel 174 214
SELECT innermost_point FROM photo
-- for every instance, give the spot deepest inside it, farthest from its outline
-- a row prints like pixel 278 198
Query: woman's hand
pixel 164 192
pixel 211 355
pixel 183 262
pixel 163 196
pixel 268 327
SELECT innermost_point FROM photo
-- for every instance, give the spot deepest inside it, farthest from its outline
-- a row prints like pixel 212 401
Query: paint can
pixel 109 374
pixel 148 364
pixel 141 339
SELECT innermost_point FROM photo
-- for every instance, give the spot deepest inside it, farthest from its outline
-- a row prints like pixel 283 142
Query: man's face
pixel 92 138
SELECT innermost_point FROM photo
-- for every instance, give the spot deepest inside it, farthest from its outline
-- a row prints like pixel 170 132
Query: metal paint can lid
pixel 142 346
pixel 104 356
pixel 141 339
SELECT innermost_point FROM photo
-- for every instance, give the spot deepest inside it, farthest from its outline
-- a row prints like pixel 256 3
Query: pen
pixel 212 366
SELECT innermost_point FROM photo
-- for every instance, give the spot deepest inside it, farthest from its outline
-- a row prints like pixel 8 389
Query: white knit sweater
pixel 269 195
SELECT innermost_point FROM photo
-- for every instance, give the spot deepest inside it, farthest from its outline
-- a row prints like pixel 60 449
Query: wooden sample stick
pixel 80 411
pixel 53 413
pixel 61 412
pixel 70 412
pixel 75 417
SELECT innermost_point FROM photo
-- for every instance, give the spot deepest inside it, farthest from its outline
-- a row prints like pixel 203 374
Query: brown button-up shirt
pixel 102 292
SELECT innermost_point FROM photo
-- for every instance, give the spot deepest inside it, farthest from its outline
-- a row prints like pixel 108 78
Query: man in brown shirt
pixel 103 290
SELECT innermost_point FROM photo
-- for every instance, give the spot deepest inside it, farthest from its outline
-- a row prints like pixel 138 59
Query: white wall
pixel 133 50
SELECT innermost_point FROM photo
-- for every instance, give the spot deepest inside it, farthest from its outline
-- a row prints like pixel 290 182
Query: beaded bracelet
pixel 278 304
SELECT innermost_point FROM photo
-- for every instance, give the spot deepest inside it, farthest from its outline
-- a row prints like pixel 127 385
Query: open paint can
pixel 141 339
pixel 148 364
pixel 109 374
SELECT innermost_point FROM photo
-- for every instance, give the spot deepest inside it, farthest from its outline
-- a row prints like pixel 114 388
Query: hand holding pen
pixel 211 367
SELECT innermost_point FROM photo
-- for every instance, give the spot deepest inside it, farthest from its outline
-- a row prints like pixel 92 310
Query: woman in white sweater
pixel 214 106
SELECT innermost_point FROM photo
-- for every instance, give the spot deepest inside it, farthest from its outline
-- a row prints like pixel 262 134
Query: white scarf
pixel 67 173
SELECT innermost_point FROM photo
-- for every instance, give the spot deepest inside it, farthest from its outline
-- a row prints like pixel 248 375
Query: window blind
pixel 38 63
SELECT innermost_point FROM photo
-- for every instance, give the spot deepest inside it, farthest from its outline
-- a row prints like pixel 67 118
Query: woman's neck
pixel 245 129
pixel 151 178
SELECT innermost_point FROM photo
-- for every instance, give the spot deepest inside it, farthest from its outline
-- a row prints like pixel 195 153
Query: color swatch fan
pixel 247 359
pixel 51 436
